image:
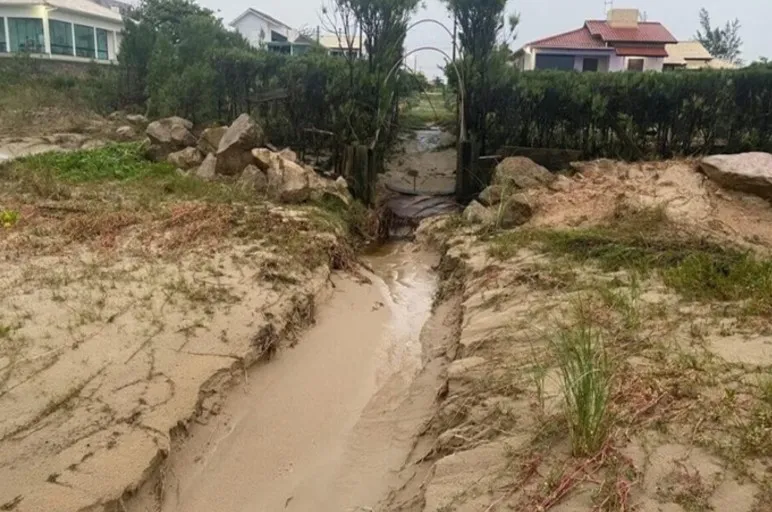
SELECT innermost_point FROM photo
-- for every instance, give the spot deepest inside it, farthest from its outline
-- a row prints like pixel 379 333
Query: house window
pixel 84 42
pixel 277 38
pixel 564 62
pixel 26 35
pixel 635 64
pixel 61 37
pixel 102 52
pixel 3 43
pixel 589 65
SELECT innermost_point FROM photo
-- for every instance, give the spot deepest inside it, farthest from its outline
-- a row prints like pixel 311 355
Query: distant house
pixel 619 43
pixel 265 31
pixel 342 45
pixel 72 30
pixel 692 55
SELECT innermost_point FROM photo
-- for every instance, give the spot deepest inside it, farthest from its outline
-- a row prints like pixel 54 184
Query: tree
pixel 722 43
pixel 483 39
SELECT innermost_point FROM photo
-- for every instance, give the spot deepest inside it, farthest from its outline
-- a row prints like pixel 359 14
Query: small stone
pixel 491 196
pixel 561 184
pixel 186 158
pixel 476 213
pixel 125 133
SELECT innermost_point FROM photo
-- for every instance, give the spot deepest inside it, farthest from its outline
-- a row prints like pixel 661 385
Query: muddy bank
pixel 327 424
pixel 689 402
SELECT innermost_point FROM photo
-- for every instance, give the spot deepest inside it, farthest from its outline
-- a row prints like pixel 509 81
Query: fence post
pixel 360 174
pixel 465 172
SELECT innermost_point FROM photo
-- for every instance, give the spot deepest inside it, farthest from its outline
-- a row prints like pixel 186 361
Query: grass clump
pixel 114 162
pixel 586 380
pixel 642 242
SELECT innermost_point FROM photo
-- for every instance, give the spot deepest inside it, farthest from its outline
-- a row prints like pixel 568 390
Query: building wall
pixel 257 30
pixel 114 28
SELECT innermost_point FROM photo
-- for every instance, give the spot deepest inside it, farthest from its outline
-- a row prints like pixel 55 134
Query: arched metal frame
pixel 462 93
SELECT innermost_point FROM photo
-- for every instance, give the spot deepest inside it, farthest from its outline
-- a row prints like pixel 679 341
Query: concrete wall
pixel 114 28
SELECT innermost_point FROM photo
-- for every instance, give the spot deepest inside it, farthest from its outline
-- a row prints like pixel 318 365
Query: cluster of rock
pixel 128 131
pixel 504 203
pixel 237 152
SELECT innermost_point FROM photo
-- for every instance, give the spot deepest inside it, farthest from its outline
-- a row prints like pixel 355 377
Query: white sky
pixel 541 18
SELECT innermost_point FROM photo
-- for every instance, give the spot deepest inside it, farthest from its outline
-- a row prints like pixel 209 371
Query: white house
pixel 265 31
pixel 619 43
pixel 69 30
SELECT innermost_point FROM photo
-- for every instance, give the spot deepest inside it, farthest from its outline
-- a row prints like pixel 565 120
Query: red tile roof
pixel 598 34
pixel 641 51
pixel 580 38
pixel 646 32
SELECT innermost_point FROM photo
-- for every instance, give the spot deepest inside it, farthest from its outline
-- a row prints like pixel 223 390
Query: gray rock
pixel 491 196
pixel 561 184
pixel 746 172
pixel 169 135
pixel 209 141
pixel 288 154
pixel 521 173
pixel 125 133
pixel 186 158
pixel 206 171
pixel 515 211
pixel 289 182
pixel 137 119
pixel 235 150
pixel 253 179
pixel 476 213
pixel 264 158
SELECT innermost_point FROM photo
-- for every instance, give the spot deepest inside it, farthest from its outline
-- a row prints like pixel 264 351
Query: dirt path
pixel 326 425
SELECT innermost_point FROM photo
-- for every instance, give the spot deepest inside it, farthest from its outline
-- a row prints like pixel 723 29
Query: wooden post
pixel 361 174
pixel 465 172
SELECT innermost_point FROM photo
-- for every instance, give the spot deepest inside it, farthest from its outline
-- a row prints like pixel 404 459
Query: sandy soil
pixel 423 165
pixel 328 424
pixel 688 397
pixel 120 327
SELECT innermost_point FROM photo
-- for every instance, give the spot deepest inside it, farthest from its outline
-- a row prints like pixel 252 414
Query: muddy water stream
pixel 326 425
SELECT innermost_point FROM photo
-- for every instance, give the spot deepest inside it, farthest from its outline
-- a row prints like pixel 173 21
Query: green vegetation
pixel 116 162
pixel 427 109
pixel 696 268
pixel 586 381
pixel 630 115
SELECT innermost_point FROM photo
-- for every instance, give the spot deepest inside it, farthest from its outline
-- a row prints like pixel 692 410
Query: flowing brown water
pixel 326 425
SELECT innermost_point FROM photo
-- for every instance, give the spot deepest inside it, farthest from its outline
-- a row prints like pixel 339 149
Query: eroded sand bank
pixel 327 424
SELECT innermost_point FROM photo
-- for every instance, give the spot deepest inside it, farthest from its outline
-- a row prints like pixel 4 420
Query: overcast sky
pixel 541 18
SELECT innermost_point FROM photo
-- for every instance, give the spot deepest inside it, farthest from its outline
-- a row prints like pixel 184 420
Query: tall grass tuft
pixel 586 377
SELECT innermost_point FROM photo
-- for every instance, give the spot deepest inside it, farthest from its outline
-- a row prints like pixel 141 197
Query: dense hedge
pixel 634 115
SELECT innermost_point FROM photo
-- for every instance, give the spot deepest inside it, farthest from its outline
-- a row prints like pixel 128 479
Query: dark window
pixel 635 64
pixel 564 62
pixel 102 53
pixel 277 38
pixel 61 37
pixel 589 65
pixel 85 46
pixel 3 43
pixel 26 35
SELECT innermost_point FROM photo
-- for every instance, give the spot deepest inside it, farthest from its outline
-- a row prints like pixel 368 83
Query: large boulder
pixel 289 182
pixel 235 150
pixel 185 159
pixel 746 172
pixel 209 141
pixel 206 171
pixel 519 172
pixel 514 211
pixel 264 158
pixel 169 135
pixel 253 180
